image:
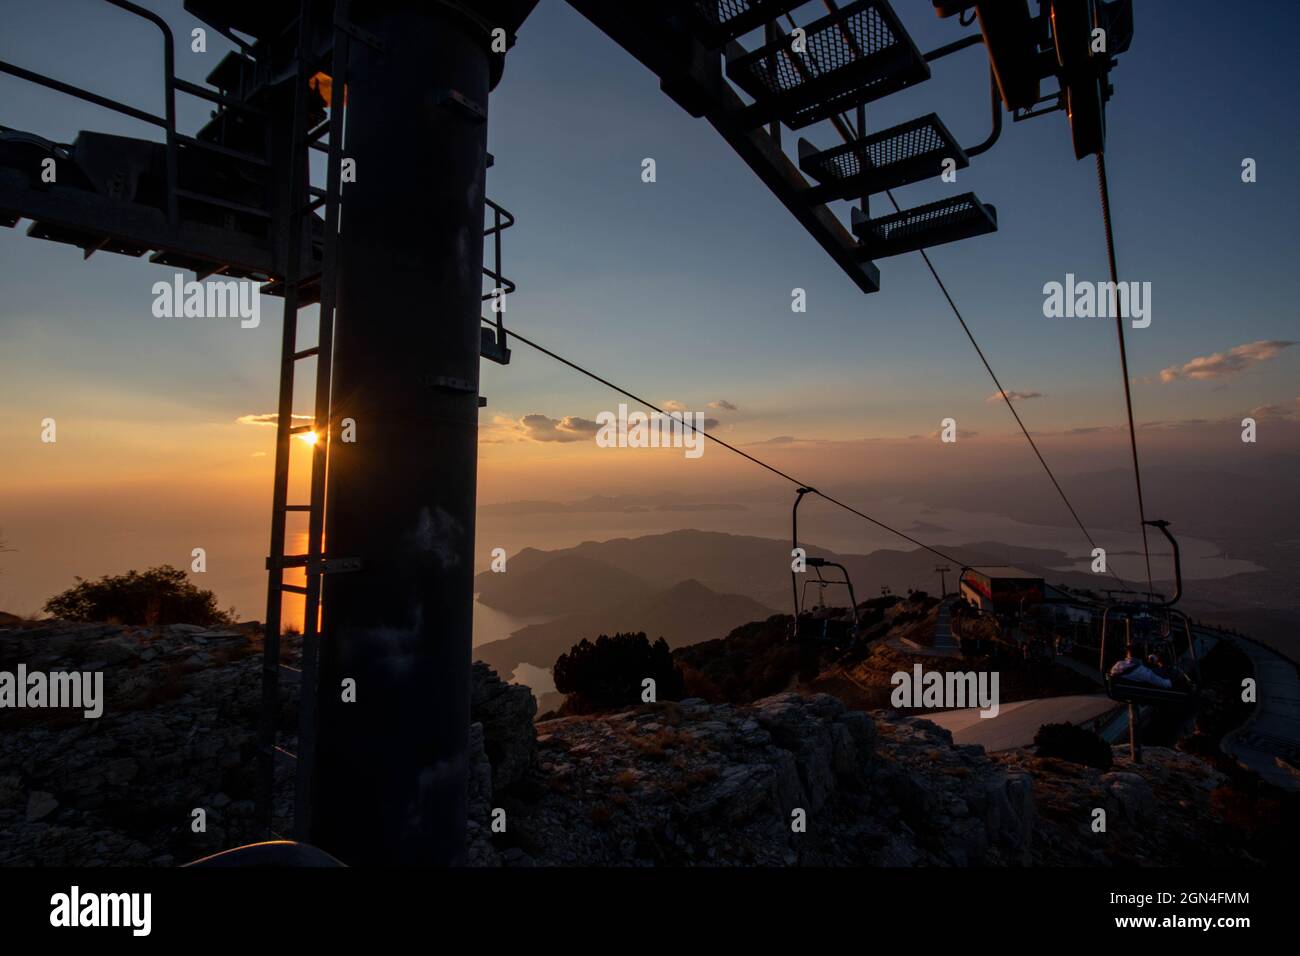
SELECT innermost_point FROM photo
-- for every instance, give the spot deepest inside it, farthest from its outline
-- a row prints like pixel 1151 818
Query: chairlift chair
pixel 816 564
pixel 1140 647
pixel 1156 634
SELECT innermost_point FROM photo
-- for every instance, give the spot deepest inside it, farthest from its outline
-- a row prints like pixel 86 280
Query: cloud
pixel 267 418
pixel 1014 396
pixel 567 429
pixel 672 405
pixel 1224 364
pixel 723 405
pixel 1263 413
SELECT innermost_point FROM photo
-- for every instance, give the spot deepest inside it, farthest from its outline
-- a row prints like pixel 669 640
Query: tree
pixel 1075 744
pixel 609 672
pixel 160 595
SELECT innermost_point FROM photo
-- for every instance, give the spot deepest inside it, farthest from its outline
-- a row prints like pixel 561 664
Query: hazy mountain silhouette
pixel 551 583
pixel 685 613
pixel 757 568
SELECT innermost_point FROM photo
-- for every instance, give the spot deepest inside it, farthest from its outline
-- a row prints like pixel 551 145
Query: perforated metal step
pixel 855 55
pixel 717 21
pixel 885 160
pixel 958 217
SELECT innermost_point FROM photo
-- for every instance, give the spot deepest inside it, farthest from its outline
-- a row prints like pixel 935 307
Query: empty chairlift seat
pixel 858 54
pixel 888 159
pixel 958 217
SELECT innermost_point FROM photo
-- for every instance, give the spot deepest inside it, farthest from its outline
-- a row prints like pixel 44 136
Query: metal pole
pixel 391 767
pixel 1134 745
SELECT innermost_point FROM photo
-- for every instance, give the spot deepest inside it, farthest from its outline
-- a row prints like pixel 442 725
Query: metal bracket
pixel 338 565
pixel 452 383
pixel 458 102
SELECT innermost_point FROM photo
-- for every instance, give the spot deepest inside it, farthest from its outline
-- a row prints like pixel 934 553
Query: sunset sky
pixel 680 289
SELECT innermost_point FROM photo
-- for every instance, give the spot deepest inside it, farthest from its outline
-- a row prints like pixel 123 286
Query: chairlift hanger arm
pixel 996 102
pixel 1178 562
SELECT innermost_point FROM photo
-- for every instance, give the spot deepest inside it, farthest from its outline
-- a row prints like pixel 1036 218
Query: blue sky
pixel 681 289
pixel 683 286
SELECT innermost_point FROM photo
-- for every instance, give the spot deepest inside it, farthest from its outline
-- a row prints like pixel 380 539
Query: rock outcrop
pixel 788 780
pixel 176 735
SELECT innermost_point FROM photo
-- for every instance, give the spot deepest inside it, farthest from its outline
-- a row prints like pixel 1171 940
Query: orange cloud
pixel 1225 364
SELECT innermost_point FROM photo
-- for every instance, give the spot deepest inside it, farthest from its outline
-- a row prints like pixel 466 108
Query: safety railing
pixel 166 122
pixel 501 221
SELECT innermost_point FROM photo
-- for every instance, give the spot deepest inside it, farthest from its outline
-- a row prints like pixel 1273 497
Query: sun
pixel 310 438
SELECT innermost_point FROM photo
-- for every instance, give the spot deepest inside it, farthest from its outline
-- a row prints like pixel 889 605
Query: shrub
pixel 1075 744
pixel 161 595
pixel 609 672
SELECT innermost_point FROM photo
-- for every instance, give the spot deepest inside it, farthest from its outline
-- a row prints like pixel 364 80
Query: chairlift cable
pixel 843 126
pixel 1005 398
pixel 730 447
pixel 1123 355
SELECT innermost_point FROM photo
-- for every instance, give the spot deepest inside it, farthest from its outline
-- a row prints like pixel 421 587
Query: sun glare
pixel 310 438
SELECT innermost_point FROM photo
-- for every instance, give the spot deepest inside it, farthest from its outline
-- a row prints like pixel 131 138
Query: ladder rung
pixel 319 131
pixel 223 150
pixel 307 353
pixel 223 203
pixel 300 429
pixel 297 507
pixel 214 97
pixel 293 589
pixel 321 196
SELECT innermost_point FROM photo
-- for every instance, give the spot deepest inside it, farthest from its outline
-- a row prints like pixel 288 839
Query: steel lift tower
pixel 401 498
pixel 394 258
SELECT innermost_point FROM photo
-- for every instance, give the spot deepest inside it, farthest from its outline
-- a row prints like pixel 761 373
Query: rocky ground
pixel 694 783
pixel 788 779
pixel 177 734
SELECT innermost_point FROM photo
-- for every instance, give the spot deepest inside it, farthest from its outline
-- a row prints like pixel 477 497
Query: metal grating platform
pixel 87 240
pixel 948 220
pixel 722 20
pixel 893 157
pixel 858 54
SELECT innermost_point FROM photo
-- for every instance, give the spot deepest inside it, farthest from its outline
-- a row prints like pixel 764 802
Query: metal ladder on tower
pixel 300 291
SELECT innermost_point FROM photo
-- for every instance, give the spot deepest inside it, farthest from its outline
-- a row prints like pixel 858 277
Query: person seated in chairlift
pixel 1132 669
pixel 1157 666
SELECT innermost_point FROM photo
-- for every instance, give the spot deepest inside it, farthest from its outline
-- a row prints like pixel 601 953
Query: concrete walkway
pixel 1269 743
pixel 1016 723
pixel 942 643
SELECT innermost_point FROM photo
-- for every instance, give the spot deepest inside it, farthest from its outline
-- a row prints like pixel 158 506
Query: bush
pixel 1075 744
pixel 609 672
pixel 160 595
